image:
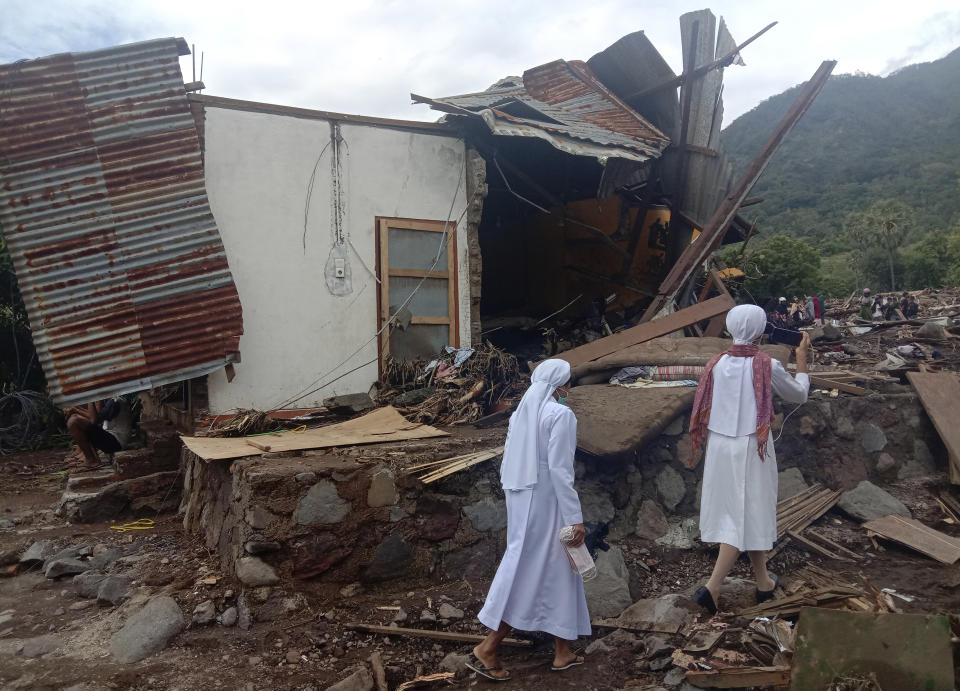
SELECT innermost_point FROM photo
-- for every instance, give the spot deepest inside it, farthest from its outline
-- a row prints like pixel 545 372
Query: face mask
pixel 562 400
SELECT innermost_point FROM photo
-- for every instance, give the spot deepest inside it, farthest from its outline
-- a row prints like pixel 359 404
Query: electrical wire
pixel 306 206
pixel 443 242
pixel 783 426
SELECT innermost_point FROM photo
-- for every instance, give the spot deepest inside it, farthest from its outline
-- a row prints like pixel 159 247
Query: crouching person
pixel 534 588
pixel 732 414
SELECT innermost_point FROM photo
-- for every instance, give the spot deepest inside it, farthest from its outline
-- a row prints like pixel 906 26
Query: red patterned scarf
pixel 762 391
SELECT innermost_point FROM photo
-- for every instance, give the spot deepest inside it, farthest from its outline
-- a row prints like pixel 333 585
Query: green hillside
pixel 865 138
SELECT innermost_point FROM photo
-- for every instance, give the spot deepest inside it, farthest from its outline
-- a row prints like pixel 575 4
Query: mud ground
pixel 306 644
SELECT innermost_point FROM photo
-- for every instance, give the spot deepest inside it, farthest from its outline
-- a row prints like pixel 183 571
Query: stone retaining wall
pixel 353 515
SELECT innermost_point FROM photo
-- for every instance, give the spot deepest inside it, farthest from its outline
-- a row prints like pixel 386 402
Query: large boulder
pixel 487 515
pixel 867 501
pixel 667 613
pixel 609 592
pixel 148 631
pixel 670 487
pixel 255 572
pixel 790 483
pixel 651 523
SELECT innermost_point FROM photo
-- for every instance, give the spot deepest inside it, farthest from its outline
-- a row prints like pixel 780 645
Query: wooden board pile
pixel 795 514
pixel 435 470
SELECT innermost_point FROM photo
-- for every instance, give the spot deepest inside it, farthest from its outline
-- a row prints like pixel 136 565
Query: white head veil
pixel 521 453
pixel 746 323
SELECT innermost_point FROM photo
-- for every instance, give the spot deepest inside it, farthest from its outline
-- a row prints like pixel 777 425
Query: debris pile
pixel 457 387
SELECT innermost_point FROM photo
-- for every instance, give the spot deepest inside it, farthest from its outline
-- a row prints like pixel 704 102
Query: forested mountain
pixel 864 139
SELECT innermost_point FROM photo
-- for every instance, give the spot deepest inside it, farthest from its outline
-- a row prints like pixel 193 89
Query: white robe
pixel 534 588
pixel 739 502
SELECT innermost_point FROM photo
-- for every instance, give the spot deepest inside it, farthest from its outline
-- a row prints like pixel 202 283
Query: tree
pixel 885 225
pixel 781 266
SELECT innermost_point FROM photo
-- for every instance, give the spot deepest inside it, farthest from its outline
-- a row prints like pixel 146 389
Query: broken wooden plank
pixel 739 677
pixel 815 547
pixel 648 331
pixel 830 543
pixel 939 393
pixel 703 641
pixel 697 252
pixel 379 673
pixel 821 382
pixel 380 425
pixel 916 535
pixel 436 635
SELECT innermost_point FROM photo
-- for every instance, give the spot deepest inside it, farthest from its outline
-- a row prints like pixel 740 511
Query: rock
pixel 448 611
pixel 675 676
pixel 401 616
pixel 622 640
pixel 104 558
pixel 851 349
pixel 351 590
pixel 651 523
pixel 204 613
pixel 383 490
pixel 361 680
pixel 229 616
pixel 844 428
pixel 256 547
pixel 412 398
pixel 921 464
pixel 87 584
pixel 113 590
pixel 65 567
pixel 257 517
pixel 244 616
pixel 426 616
pixel 675 428
pixel 595 503
pixel 293 657
pixel 597 646
pixel 867 501
pixel 886 464
pixel 307 478
pixel 789 483
pixel 472 563
pixel 397 514
pixel 487 515
pixel 668 612
pixel 36 553
pixel 255 572
pixel 318 554
pixel 455 662
pixel 436 519
pixel 41 645
pixel 609 592
pixel 681 533
pixel 670 487
pixel 148 630
pixel 82 605
pixel 392 559
pixel 934 331
pixel 872 438
pixel 261 594
pixel 657 645
pixel 322 505
pixel 349 403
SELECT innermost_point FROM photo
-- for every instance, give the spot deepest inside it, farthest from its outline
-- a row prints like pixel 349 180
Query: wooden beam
pixel 940 395
pixel 700 71
pixel 646 332
pixel 739 677
pixel 697 252
pixel 436 635
pixel 825 383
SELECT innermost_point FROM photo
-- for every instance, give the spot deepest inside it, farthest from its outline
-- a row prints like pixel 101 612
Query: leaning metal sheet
pixel 105 214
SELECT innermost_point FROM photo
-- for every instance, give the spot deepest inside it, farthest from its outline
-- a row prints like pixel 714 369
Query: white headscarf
pixel 746 323
pixel 521 453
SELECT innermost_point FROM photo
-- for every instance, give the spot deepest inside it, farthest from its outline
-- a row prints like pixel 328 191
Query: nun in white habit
pixel 732 414
pixel 534 588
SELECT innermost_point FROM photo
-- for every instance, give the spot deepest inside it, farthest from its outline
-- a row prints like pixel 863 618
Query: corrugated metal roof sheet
pixel 564 103
pixel 105 213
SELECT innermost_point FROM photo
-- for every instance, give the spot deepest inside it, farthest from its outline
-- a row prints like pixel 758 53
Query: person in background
pixel 782 308
pixel 100 426
pixel 904 302
pixel 810 308
pixel 818 309
pixel 732 416
pixel 913 308
pixel 534 588
pixel 866 305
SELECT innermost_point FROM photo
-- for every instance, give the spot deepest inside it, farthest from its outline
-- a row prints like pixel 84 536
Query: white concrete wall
pixel 257 170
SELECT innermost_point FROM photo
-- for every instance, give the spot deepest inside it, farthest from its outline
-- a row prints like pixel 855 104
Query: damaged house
pixel 141 216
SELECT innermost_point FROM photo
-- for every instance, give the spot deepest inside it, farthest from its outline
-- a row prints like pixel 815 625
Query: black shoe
pixel 764 595
pixel 703 598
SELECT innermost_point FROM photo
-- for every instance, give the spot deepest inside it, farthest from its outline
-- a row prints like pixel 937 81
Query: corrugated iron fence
pixel 106 217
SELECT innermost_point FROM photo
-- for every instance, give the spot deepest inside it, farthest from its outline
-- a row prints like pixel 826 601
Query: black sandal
pixel 703 598
pixel 476 665
pixel 764 595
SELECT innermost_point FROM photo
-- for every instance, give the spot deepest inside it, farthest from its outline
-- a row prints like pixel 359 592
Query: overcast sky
pixel 365 57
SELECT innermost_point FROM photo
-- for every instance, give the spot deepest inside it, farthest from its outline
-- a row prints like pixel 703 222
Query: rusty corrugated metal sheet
pixel 574 111
pixel 105 212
